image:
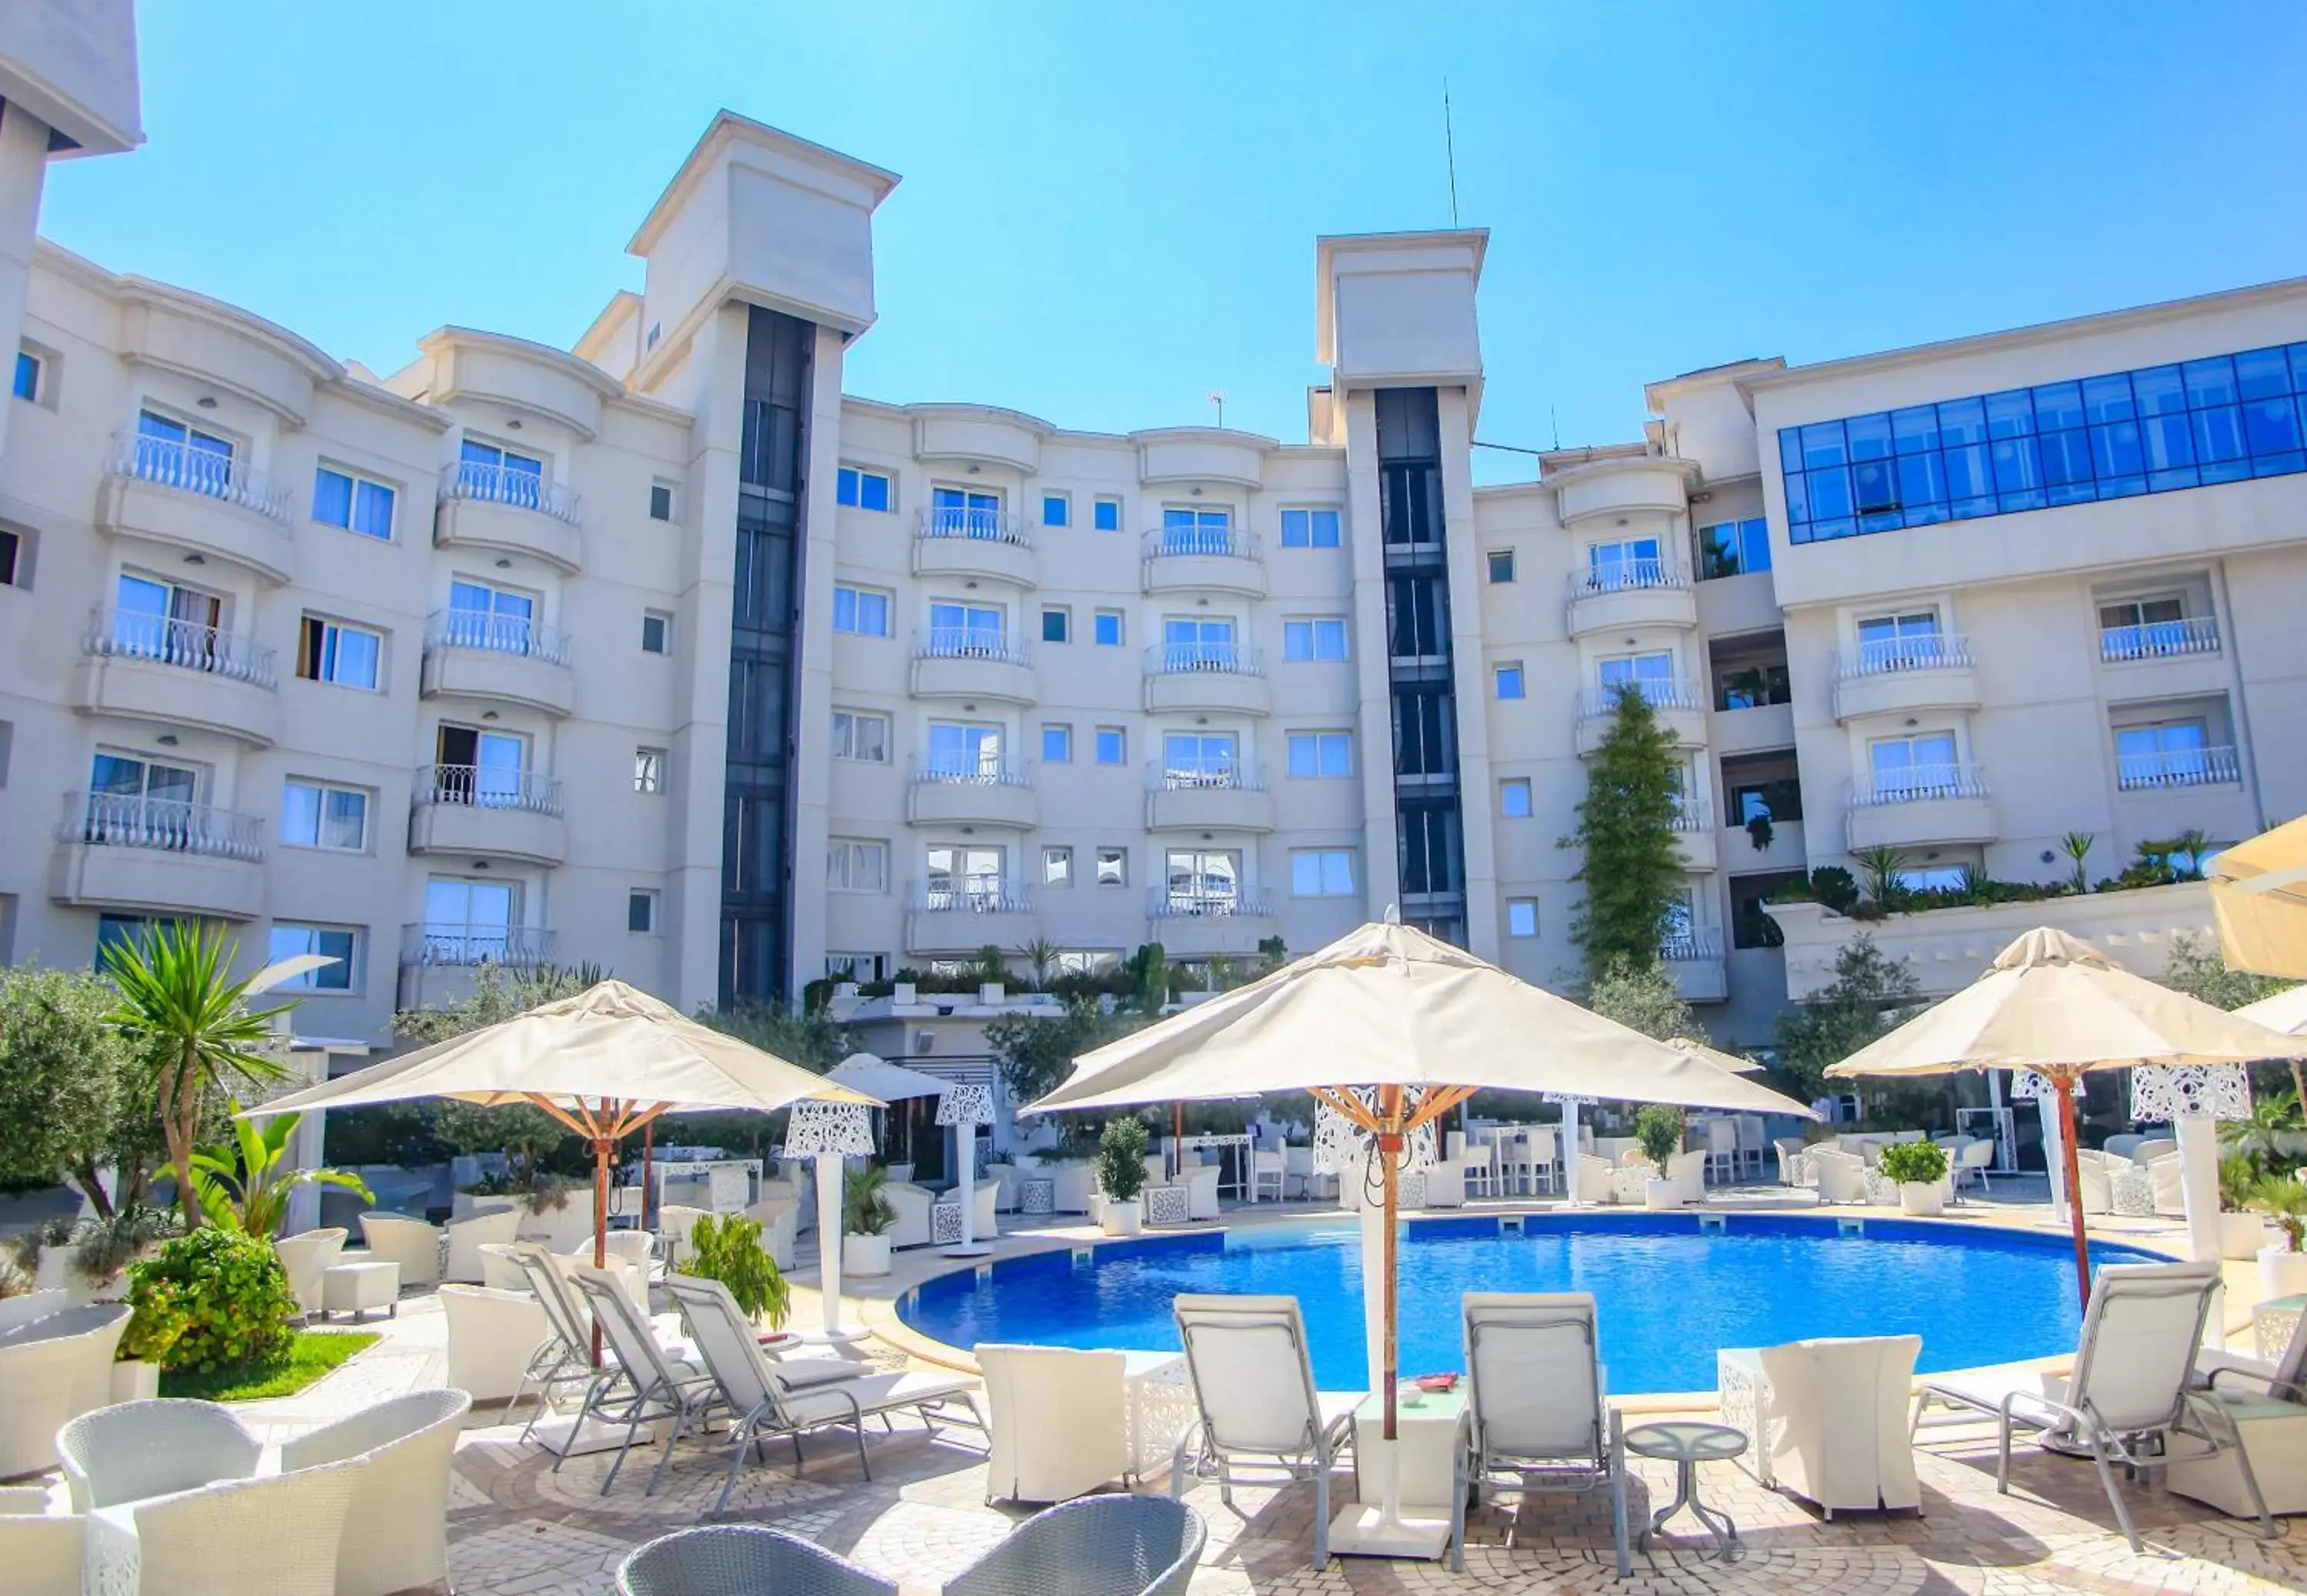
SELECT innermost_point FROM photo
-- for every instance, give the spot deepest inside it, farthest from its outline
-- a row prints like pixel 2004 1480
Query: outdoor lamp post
pixel 828 1133
pixel 964 1108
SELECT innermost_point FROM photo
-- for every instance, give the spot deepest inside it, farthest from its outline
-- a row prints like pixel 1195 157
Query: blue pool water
pixel 1669 1292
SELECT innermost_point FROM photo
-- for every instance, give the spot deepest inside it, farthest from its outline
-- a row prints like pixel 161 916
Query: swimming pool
pixel 1670 1288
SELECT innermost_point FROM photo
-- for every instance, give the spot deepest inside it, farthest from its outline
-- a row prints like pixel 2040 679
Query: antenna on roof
pixel 1555 416
pixel 1218 400
pixel 1450 151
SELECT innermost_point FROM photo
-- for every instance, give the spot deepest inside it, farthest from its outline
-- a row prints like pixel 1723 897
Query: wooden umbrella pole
pixel 2064 1086
pixel 1389 1155
pixel 648 1149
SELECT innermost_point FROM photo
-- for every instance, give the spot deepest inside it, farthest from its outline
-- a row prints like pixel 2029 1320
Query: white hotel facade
pixel 664 653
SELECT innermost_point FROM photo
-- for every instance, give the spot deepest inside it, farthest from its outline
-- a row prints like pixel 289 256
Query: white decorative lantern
pixel 2191 1097
pixel 965 1107
pixel 828 1133
pixel 1571 1103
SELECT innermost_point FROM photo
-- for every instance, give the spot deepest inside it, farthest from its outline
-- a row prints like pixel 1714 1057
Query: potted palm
pixel 729 1249
pixel 2241 1231
pixel 1919 1168
pixel 2283 1268
pixel 1122 1176
pixel 866 1218
pixel 1659 1130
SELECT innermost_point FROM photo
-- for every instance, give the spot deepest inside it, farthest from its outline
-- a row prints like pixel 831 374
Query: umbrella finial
pixel 2047 945
pixel 1393 914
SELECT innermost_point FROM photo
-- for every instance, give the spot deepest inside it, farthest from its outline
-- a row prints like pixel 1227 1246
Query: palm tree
pixel 179 1002
pixel 2077 845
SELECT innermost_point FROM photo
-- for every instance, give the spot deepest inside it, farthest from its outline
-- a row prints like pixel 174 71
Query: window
pixel 1201 881
pixel 11 549
pixel 124 931
pixel 339 944
pixel 1778 799
pixel 1930 878
pixel 1650 675
pixel 1056 623
pixel 861 736
pixel 484 616
pixel 1319 638
pixel 1309 529
pixel 1909 642
pixel 967 631
pixel 856 966
pixel 1192 642
pixel 862 611
pixel 1521 917
pixel 854 865
pixel 641 911
pixel 1113 866
pixel 1057 745
pixel 1105 514
pixel 154 619
pixel 1734 548
pixel 966 878
pixel 962 513
pixel 1190 529
pixel 1513 798
pixel 319 814
pixel 1112 745
pixel 1321 754
pixel 660 501
pixel 1201 759
pixel 1322 872
pixel 864 490
pixel 2174 753
pixel 357 503
pixel 348 656
pixel 1501 563
pixel 656 632
pixel 29 369
pixel 1057 509
pixel 1921 766
pixel 1109 628
pixel 960 751
pixel 489 471
pixel 1057 866
pixel 1629 563
pixel 490 769
pixel 648 770
pixel 2152 627
pixel 178 455
pixel 467 921
pixel 1507 680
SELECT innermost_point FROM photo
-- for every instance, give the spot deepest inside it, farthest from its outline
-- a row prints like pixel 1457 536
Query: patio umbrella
pixel 1426 1025
pixel 2053 1005
pixel 2259 896
pixel 1731 1063
pixel 605 1063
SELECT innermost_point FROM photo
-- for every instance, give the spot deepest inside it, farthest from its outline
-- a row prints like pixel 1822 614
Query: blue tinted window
pixel 1057 509
pixel 2009 414
pixel 28 375
pixel 1916 429
pixel 1869 437
pixel 2059 404
pixel 1105 514
pixel 1962 421
pixel 1822 445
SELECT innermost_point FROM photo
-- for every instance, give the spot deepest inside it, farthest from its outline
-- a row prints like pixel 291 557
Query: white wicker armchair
pixel 396 1534
pixel 1827 1419
pixel 304 1257
pixel 53 1369
pixel 674 1221
pixel 279 1534
pixel 413 1244
pixel 912 1205
pixel 39 1550
pixel 139 1449
pixel 1056 1419
pixel 498 1223
pixel 491 1336
pixel 779 1218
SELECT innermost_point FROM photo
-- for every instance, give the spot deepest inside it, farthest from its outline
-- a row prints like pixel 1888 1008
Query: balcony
pixel 150 668
pixel 1635 593
pixel 975 793
pixel 964 919
pixel 1677 703
pixel 2169 770
pixel 1694 835
pixel 507 511
pixel 1196 925
pixel 2159 640
pixel 1694 958
pixel 501 658
pixel 438 962
pixel 1203 559
pixel 1899 676
pixel 964 663
pixel 491 813
pixel 1207 798
pixel 1215 677
pixel 126 850
pixel 985 544
pixel 1920 806
pixel 192 499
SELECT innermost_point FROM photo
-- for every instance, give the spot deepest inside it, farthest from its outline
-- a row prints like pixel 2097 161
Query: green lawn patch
pixel 312 1354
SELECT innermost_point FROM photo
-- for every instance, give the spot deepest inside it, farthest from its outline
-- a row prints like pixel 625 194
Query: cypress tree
pixel 1632 869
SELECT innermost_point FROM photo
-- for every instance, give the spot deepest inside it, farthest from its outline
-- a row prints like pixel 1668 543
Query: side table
pixel 358 1286
pixel 1037 1195
pixel 2273 1324
pixel 1687 1445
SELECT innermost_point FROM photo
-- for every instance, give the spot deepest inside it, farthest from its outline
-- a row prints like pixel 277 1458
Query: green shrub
pixel 1660 1129
pixel 1121 1159
pixel 1913 1163
pixel 729 1249
pixel 232 1295
pixel 865 1207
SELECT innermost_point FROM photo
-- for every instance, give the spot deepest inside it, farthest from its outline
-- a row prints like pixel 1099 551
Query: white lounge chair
pixel 1826 1420
pixel 396 1533
pixel 2131 1386
pixel 1056 1421
pixel 1686 1174
pixel 1536 1418
pixel 1254 1387
pixel 792 1398
pixel 304 1257
pixel 40 1549
pixel 413 1244
pixel 564 1357
pixel 280 1535
pixel 647 1385
pixel 51 1370
pixel 2268 1404
pixel 134 1450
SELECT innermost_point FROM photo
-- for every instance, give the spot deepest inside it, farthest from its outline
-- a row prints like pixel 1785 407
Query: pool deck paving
pixel 518 1528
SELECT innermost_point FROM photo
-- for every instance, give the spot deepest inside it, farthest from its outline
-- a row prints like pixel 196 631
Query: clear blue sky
pixel 1109 211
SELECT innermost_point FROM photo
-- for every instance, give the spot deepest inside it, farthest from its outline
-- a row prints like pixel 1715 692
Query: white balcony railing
pixel 464 945
pixel 1219 659
pixel 2159 639
pixel 1627 575
pixel 1917 784
pixel 1204 776
pixel 487 483
pixel 990 898
pixel 1933 651
pixel 485 633
pixel 1662 692
pixel 2177 767
pixel 963 771
pixel 137 819
pixel 488 786
pixel 1692 815
pixel 1194 542
pixel 983 526
pixel 1170 903
pixel 166 463
pixel 134 634
pixel 1689 943
pixel 968 642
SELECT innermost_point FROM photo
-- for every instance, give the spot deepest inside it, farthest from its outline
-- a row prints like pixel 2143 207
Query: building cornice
pixel 728 128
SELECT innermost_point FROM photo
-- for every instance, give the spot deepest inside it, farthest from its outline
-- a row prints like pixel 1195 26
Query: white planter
pixel 1922 1199
pixel 864 1255
pixel 992 994
pixel 1659 1194
pixel 902 993
pixel 1121 1219
pixel 136 1380
pixel 2241 1235
pixel 2282 1272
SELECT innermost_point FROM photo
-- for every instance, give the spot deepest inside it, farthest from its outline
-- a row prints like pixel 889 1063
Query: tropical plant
pixel 2076 846
pixel 2283 1198
pixel 865 1206
pixel 1659 1128
pixel 1760 831
pixel 990 968
pixel 247 1186
pixel 1835 887
pixel 1632 865
pixel 2274 1139
pixel 2238 1176
pixel 1273 950
pixel 1643 997
pixel 231 1290
pixel 1859 1004
pixel 1040 961
pixel 1148 977
pixel 101 1247
pixel 1121 1159
pixel 179 1001
pixel 1913 1163
pixel 729 1249
pixel 2189 850
pixel 1880 867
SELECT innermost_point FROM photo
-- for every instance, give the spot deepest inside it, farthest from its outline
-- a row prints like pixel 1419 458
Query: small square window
pixel 1057 866
pixel 1113 866
pixel 339 945
pixel 861 735
pixel 656 632
pixel 1057 745
pixel 640 912
pixel 1112 745
pixel 1105 514
pixel 1513 798
pixel 1056 623
pixel 1501 565
pixel 1509 680
pixel 860 612
pixel 31 374
pixel 1109 628
pixel 1521 917
pixel 1057 510
pixel 1314 639
pixel 648 770
pixel 356 503
pixel 660 501
pixel 864 490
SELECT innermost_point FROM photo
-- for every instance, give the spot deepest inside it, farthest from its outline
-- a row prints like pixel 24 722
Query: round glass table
pixel 1687 1445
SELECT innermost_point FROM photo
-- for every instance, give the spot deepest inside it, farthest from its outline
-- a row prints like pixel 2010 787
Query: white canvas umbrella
pixel 1426 1025
pixel 2053 1005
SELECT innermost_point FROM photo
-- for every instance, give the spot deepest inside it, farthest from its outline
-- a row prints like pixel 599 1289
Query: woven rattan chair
pixel 1099 1545
pixel 140 1449
pixel 396 1533
pixel 742 1560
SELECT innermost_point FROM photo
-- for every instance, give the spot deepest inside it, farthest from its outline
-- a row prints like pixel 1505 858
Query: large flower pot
pixel 2282 1272
pixel 1122 1219
pixel 864 1255
pixel 1660 1194
pixel 136 1380
pixel 1922 1199
pixel 2241 1235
